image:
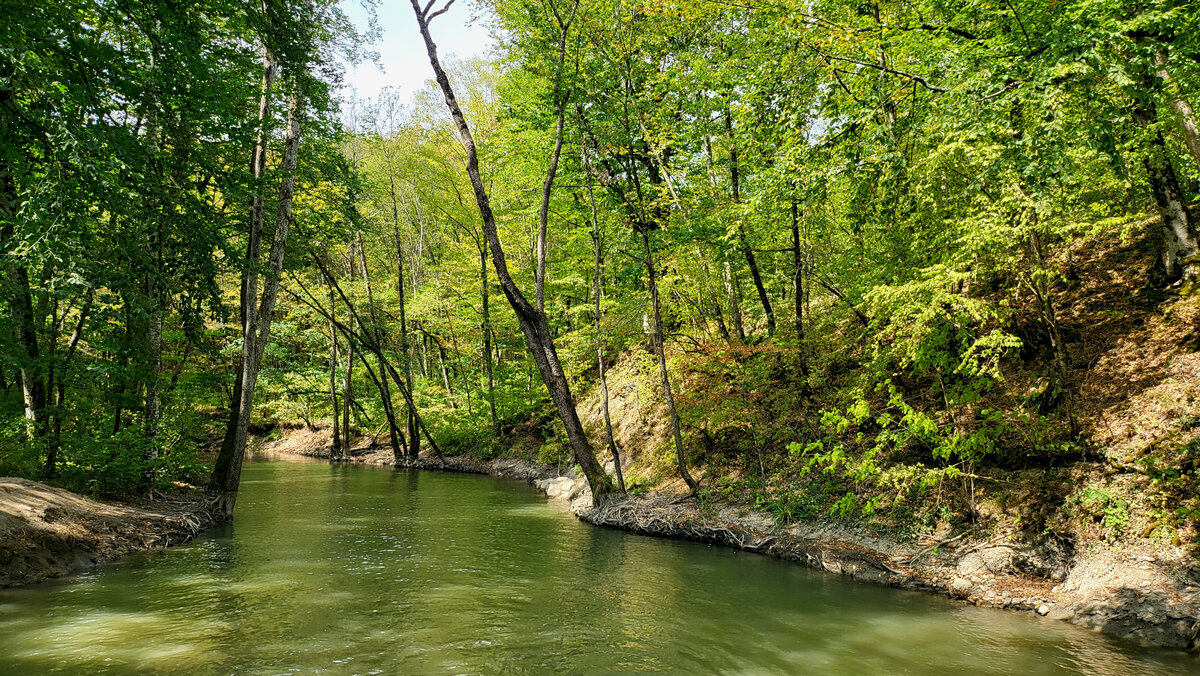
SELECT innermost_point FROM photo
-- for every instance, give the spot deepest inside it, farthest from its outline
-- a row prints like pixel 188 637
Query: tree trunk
pixel 488 366
pixel 733 294
pixel 152 292
pixel 153 404
pixel 446 377
pixel 1179 257
pixel 249 286
pixel 658 340
pixel 533 323
pixel 385 395
pixel 227 470
pixel 798 279
pixel 544 212
pixel 608 429
pixel 560 103
pixel 1039 282
pixel 60 390
pixel 424 347
pixel 751 260
pixel 1181 106
pixel 119 388
pixel 414 438
pixel 347 401
pixel 20 299
pixel 21 308
pixel 335 440
pixel 368 343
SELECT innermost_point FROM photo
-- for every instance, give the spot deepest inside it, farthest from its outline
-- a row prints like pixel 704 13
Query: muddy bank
pixel 48 532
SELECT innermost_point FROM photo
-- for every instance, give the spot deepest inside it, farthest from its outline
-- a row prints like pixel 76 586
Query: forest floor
pixel 48 532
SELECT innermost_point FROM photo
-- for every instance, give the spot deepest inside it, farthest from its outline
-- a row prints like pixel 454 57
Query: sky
pixel 403 63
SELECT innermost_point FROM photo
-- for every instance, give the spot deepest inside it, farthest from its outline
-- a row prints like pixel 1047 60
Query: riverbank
pixel 1145 596
pixel 48 532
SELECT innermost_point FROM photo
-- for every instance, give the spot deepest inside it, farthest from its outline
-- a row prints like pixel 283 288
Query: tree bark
pixel 413 449
pixel 743 242
pixel 227 471
pixel 60 391
pixel 152 290
pixel 1181 106
pixel 488 366
pixel 122 378
pixel 249 286
pixel 367 342
pixel 20 299
pixel 560 104
pixel 608 428
pixel 798 280
pixel 1038 278
pixel 733 295
pixel 385 395
pixel 441 351
pixel 347 400
pixel 1181 264
pixel 658 340
pixel 335 441
pixel 533 323
pixel 153 404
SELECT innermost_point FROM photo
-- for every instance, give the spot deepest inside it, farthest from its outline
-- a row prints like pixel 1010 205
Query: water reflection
pixel 352 570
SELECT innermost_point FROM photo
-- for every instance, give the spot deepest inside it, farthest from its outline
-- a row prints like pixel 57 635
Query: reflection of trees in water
pixel 416 573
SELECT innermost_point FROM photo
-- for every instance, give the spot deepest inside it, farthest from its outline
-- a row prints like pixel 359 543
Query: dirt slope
pixel 48 532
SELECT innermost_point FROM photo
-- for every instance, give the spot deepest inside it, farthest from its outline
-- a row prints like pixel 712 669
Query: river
pixel 357 570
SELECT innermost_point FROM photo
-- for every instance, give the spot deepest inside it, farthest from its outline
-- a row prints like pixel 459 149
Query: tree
pixel 533 322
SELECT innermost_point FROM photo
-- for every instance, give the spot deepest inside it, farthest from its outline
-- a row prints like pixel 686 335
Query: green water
pixel 355 570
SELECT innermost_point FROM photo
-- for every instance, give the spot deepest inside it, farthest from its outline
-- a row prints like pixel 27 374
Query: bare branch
pixel 891 71
pixel 443 10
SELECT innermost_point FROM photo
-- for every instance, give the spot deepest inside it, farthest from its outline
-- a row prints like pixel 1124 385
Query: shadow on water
pixel 351 570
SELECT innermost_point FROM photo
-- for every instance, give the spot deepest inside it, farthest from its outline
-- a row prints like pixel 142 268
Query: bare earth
pixel 47 532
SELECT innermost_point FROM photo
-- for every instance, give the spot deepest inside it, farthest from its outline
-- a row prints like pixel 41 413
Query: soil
pixel 48 532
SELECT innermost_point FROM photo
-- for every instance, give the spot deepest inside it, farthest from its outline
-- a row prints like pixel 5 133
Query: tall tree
pixel 533 323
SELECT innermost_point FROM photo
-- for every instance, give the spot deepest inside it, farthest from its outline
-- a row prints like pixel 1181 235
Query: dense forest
pixel 834 259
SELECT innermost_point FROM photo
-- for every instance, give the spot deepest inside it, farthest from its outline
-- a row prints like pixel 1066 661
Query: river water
pixel 358 570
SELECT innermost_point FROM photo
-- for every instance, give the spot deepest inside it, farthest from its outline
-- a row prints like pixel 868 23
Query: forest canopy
pixel 843 250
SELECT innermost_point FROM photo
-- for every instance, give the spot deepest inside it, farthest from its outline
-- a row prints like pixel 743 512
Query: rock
pixel 561 487
pixel 1047 556
pixel 1043 610
pixel 971 564
pixel 960 586
pixel 998 559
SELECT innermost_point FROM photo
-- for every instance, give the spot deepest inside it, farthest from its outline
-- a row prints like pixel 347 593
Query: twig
pixel 933 547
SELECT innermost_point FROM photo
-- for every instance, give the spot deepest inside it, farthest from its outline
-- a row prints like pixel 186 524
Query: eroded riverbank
pixel 343 569
pixel 48 532
pixel 1144 598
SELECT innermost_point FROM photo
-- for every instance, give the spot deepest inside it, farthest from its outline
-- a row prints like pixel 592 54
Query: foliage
pixel 862 220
